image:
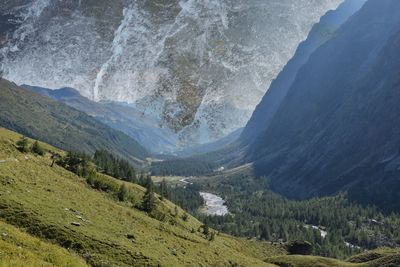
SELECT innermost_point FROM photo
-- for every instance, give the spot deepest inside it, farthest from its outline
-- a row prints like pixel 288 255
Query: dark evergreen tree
pixel 131 175
pixel 149 200
pixel 122 193
pixel 142 179
pixel 163 189
pixel 206 229
pixel 55 157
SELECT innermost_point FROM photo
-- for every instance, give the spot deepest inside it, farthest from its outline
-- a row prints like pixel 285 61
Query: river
pixel 214 205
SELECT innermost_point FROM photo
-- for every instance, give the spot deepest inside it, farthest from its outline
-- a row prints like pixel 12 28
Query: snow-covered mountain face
pixel 199 67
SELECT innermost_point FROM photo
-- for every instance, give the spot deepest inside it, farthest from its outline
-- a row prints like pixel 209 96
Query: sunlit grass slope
pixel 49 202
pixel 18 248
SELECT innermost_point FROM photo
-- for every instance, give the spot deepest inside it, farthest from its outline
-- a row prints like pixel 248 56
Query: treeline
pixel 113 166
pixel 259 213
pixel 183 167
pixel 105 162
pixel 89 167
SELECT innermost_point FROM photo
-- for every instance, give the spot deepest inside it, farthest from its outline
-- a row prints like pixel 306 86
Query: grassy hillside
pixel 55 123
pixel 44 208
pixel 18 248
pixel 45 201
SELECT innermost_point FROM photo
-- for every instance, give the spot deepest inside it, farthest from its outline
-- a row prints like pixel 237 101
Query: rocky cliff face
pixel 321 32
pixel 200 67
pixel 337 129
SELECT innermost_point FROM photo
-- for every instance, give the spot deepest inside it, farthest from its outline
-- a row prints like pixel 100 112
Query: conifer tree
pixel 163 189
pixel 206 229
pixel 142 179
pixel 55 157
pixel 149 198
pixel 122 193
pixel 131 175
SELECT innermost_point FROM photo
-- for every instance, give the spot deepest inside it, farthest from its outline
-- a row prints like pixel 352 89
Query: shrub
pixel 23 144
pixel 104 183
pixel 299 248
pixel 38 149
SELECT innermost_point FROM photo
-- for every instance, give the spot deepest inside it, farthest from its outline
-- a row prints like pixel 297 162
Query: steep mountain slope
pixel 337 128
pixel 47 120
pixel 320 33
pixel 59 206
pixel 122 117
pixel 185 62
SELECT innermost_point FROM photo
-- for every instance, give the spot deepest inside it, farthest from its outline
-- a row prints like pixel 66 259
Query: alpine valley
pixel 200 133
